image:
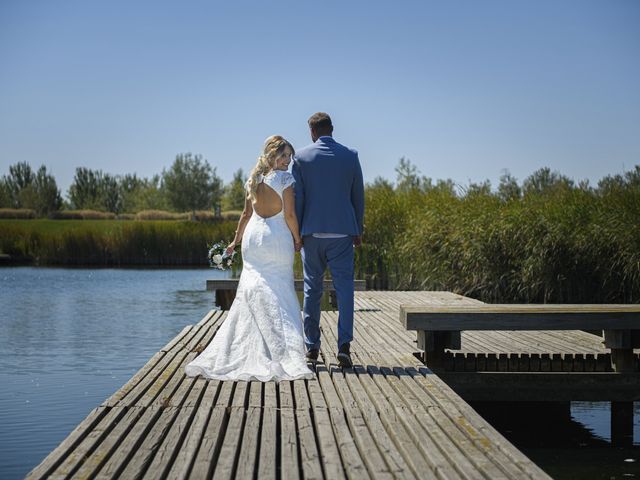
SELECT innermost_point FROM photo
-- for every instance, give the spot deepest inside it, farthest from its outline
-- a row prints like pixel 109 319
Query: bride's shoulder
pixel 285 178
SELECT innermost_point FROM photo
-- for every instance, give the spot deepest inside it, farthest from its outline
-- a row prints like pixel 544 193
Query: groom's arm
pixel 299 191
pixel 357 196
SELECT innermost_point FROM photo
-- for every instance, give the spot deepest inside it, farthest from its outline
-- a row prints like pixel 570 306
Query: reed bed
pixel 17 213
pixel 160 215
pixel 114 243
pixel 563 246
pixel 82 215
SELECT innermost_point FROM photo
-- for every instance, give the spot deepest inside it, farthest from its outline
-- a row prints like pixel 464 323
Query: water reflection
pixel 567 441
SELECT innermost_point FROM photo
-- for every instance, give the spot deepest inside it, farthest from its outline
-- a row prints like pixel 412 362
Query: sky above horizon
pixel 463 89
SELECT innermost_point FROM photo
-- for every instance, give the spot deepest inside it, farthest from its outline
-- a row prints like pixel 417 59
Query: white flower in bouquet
pixel 218 257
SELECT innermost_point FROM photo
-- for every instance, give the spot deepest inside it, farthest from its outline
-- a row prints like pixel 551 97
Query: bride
pixel 261 338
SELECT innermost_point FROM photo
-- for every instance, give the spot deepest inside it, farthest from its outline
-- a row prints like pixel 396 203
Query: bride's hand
pixel 297 245
pixel 230 248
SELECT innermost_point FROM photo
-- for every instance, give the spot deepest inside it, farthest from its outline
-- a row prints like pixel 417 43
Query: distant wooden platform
pixel 388 417
pixel 225 290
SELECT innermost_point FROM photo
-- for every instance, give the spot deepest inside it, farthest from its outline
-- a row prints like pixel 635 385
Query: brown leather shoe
pixel 344 356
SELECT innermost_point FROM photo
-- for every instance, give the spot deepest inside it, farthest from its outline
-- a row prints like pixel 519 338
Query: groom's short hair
pixel 320 122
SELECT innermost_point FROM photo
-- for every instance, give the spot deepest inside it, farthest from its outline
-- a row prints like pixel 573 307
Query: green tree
pixel 5 194
pixel 234 192
pixel 93 189
pixel 48 197
pixel 191 184
pixel 23 188
pixel 109 192
pixel 129 187
pixel 84 192
pixel 20 177
pixel 150 195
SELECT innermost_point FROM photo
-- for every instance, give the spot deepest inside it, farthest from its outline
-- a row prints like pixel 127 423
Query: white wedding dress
pixel 261 338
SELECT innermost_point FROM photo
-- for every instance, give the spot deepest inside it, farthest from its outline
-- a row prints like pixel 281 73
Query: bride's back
pixel 267 202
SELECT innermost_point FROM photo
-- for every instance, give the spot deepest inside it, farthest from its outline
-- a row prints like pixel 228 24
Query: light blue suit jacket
pixel 329 188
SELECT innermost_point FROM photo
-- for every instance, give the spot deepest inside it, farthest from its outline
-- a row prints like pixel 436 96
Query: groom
pixel 330 208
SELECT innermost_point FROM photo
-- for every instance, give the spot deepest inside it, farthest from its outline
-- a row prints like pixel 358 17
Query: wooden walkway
pixel 388 417
pixel 508 351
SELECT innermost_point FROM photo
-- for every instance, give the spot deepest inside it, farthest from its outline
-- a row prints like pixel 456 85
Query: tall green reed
pixel 157 243
pixel 565 244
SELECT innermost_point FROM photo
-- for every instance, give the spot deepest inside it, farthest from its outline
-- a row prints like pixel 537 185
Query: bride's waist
pixel 279 219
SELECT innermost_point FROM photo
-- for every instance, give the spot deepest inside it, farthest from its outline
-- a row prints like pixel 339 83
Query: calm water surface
pixel 69 338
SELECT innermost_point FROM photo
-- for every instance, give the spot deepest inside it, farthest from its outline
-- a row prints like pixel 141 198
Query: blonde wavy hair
pixel 274 147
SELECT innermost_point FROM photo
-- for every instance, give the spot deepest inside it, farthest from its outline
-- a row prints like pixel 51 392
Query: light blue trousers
pixel 317 255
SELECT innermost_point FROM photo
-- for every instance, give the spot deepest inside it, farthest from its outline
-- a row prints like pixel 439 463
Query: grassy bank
pixel 110 242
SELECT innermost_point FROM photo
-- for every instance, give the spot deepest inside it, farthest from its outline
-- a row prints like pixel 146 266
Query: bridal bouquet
pixel 218 257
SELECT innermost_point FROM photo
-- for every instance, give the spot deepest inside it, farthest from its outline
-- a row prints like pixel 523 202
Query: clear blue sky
pixel 464 89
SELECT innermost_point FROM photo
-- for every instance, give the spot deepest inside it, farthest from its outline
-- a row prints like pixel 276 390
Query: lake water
pixel 69 338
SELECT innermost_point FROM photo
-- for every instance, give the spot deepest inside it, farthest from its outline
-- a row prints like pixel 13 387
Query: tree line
pixel 189 184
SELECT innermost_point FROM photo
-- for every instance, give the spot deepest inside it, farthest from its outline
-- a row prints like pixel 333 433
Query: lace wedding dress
pixel 261 338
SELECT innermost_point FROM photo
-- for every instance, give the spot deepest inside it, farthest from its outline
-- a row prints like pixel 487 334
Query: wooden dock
pixel 388 417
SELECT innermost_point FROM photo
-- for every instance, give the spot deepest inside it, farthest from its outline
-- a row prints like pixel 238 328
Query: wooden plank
pixel 429 458
pixel 496 447
pixel 137 466
pixel 289 461
pixel 201 401
pixel 391 445
pixel 62 451
pixel 128 447
pixel 139 376
pixel 184 333
pixel 544 386
pixel 88 444
pixel 520 317
pixel 227 462
pixel 248 459
pixel 213 434
pixel 267 456
pixel 381 458
pixel 309 453
pixel 397 355
pixel 171 444
pixel 94 461
pixel 352 461
pixel 149 387
pixel 327 443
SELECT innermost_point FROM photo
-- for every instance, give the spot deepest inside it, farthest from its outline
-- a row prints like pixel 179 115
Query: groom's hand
pixel 357 240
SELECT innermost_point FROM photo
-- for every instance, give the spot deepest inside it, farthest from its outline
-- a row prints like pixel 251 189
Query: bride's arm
pixel 242 223
pixel 290 216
